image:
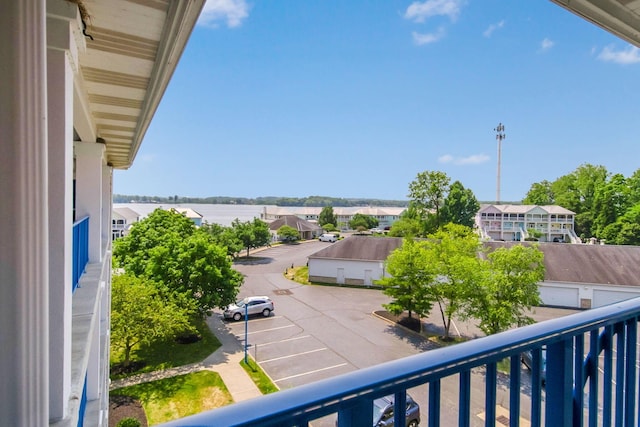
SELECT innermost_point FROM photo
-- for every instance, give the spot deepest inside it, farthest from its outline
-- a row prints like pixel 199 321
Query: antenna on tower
pixel 500 135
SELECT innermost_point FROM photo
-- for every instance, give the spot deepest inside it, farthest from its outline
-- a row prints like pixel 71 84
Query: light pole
pixel 246 331
pixel 500 135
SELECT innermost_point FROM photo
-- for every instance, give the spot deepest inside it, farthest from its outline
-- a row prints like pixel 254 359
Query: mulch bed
pixel 403 319
pixel 125 407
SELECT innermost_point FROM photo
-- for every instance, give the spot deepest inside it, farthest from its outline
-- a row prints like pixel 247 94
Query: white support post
pixel 24 252
pixel 61 65
pixel 89 198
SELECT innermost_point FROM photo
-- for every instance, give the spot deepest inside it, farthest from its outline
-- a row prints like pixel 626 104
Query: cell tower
pixel 500 135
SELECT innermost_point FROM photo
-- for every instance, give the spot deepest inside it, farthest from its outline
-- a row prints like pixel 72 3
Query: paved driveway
pixel 318 332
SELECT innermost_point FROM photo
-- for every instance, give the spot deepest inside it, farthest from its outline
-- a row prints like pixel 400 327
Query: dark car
pixel 527 360
pixel 383 412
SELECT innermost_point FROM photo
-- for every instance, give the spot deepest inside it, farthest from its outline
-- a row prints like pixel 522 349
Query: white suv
pixel 328 237
pixel 253 305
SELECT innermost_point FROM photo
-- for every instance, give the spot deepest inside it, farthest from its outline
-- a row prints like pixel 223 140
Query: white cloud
pixel 420 11
pixel 631 55
pixel 231 11
pixel 546 44
pixel 427 38
pixel 492 28
pixel 474 159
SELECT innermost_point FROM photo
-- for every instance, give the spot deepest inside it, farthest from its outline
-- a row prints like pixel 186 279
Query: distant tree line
pixel 311 201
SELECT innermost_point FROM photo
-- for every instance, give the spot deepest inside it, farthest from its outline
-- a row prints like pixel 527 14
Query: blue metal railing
pixel 83 404
pixel 574 346
pixel 80 249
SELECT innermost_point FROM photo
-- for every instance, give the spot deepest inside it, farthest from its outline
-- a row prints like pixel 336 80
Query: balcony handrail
pixel 341 394
pixel 80 250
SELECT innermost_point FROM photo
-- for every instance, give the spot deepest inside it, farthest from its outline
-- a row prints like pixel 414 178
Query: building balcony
pixel 80 249
pixel 588 377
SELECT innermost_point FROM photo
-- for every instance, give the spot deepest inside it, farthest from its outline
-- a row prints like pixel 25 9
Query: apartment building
pixel 519 222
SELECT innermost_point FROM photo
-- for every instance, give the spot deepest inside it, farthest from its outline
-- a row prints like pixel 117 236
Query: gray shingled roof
pixel 295 222
pixel 593 264
pixel 564 262
pixel 361 248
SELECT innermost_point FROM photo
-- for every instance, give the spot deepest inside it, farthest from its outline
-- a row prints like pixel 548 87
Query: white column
pixel 24 262
pixel 89 162
pixel 61 61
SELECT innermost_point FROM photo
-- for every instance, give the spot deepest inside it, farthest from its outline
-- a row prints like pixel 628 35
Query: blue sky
pixel 354 98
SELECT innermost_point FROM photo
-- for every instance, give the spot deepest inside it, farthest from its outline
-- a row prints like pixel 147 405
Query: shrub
pixel 128 422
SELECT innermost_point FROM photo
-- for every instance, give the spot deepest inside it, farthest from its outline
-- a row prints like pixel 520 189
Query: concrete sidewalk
pixel 225 361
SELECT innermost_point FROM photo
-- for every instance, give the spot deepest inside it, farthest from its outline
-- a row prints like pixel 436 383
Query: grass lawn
pixel 264 383
pixel 169 353
pixel 171 398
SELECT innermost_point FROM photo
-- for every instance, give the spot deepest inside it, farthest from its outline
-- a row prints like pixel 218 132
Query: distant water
pixel 219 214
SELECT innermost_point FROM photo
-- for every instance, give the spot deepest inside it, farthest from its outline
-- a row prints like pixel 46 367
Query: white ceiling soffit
pixel 127 66
pixel 620 17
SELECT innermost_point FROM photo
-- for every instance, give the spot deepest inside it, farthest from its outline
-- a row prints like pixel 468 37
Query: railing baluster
pixel 514 392
pixel 578 380
pixel 434 403
pixel 490 394
pixel 630 371
pixel 607 344
pixel 593 373
pixel 464 399
pixel 619 331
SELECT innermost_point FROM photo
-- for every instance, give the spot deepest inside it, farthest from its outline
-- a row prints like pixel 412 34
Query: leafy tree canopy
pixel 252 234
pixel 427 192
pixel 288 233
pixel 364 222
pixel 510 288
pixel 327 216
pixel 167 248
pixel 460 206
pixel 143 311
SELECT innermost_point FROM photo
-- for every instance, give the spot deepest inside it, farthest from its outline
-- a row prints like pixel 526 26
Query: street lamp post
pixel 246 332
pixel 500 135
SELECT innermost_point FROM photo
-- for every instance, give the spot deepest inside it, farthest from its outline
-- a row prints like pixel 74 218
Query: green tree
pixel 611 201
pixel 453 252
pixel 576 192
pixel 626 230
pixel 224 236
pixel 410 273
pixel 460 206
pixel 428 192
pixel 252 234
pixel 409 224
pixel 167 248
pixel 509 290
pixel 288 233
pixel 539 194
pixel 142 312
pixel 327 216
pixel 362 221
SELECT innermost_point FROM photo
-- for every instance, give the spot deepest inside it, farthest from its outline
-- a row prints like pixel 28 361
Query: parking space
pixel 288 355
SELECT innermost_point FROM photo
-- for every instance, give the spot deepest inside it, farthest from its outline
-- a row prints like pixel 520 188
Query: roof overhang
pixel 130 56
pixel 619 17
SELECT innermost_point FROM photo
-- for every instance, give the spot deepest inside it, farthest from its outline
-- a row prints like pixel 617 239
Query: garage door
pixel 603 297
pixel 559 297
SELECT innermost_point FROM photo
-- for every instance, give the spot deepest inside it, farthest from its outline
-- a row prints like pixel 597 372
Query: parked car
pixel 328 237
pixel 527 360
pixel 253 305
pixel 383 412
pixel 377 231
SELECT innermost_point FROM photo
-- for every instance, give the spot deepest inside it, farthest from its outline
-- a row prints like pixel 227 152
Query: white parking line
pixel 287 340
pixel 267 330
pixel 291 355
pixel 310 372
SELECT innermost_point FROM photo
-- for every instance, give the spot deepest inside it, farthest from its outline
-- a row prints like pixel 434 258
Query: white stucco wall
pixel 354 272
pixel 581 295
